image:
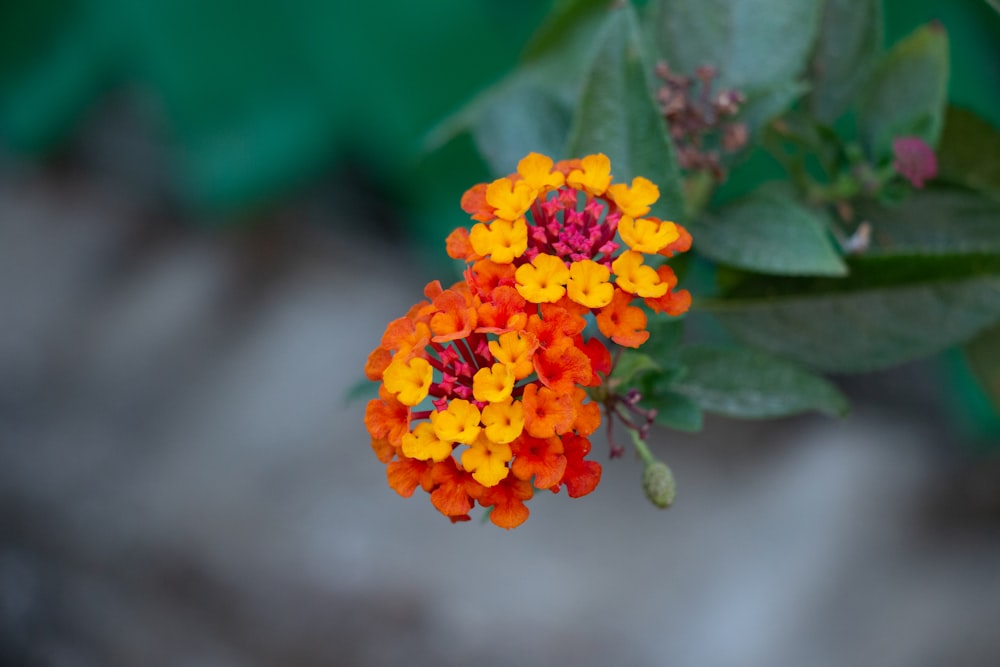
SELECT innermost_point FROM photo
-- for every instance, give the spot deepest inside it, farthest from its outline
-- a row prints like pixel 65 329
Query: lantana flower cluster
pixel 484 385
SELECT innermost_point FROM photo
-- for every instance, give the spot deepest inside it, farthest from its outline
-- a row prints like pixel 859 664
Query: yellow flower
pixel 634 201
pixel 536 170
pixel 516 351
pixel 542 281
pixel 636 278
pixel 504 421
pixel 493 384
pixel 409 380
pixel 424 444
pixel 647 235
pixel 588 284
pixel 502 240
pixel 487 461
pixel 459 423
pixel 594 175
pixel 511 200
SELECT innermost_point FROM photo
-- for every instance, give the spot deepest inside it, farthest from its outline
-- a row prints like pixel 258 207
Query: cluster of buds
pixel 699 119
pixel 484 385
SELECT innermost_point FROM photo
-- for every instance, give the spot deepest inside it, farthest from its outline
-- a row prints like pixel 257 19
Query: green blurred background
pixel 255 98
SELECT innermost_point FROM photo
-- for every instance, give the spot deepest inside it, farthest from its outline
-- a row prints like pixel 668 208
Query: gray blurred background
pixel 184 482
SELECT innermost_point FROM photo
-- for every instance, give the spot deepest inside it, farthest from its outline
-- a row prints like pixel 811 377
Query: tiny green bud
pixel 658 483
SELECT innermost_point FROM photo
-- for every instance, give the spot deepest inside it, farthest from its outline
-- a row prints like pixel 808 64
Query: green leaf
pixel 850 40
pixel 983 356
pixel 888 311
pixel 362 390
pixel 762 106
pixel 617 115
pixel 969 151
pixel 769 232
pixel 631 365
pixel 553 68
pixel 937 221
pixel 673 410
pixel 755 44
pixel 529 117
pixel 907 91
pixel 746 383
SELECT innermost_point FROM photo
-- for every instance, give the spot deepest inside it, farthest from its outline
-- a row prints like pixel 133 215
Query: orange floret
pixel 546 413
pixel 455 317
pixel 486 275
pixel 588 414
pixel 672 303
pixel 504 311
pixel 377 362
pixel 451 493
pixel 458 245
pixel 539 458
pixel 622 323
pixel 555 323
pixel 581 476
pixel 562 365
pixel 405 475
pixel 387 418
pixel 507 500
pixel 682 244
pixel 474 203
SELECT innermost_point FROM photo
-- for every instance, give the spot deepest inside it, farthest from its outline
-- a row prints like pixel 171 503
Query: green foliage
pixel 907 92
pixel 618 117
pixel 769 232
pixel 983 356
pixel 849 41
pixel 755 44
pixel 891 310
pixel 844 265
pixel 969 152
pixel 751 384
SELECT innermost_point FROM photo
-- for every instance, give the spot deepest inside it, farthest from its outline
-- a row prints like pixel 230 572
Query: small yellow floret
pixel 501 240
pixel 536 170
pixel 487 461
pixel 594 175
pixel 542 281
pixel 588 284
pixel 458 423
pixel 424 444
pixel 635 201
pixel 409 380
pixel 493 384
pixel 647 235
pixel 511 200
pixel 504 421
pixel 516 351
pixel 635 277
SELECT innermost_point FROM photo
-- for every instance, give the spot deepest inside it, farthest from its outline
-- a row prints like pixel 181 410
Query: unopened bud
pixel 658 483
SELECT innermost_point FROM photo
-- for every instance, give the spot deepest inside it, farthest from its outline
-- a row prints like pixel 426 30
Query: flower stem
pixel 640 447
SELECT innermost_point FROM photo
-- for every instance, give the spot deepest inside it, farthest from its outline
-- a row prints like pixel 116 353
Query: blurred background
pixel 208 213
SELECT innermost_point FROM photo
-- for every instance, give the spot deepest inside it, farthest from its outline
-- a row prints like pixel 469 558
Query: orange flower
pixel 581 476
pixel 455 317
pixel 474 203
pixel 539 458
pixel 563 365
pixel 507 500
pixel 622 323
pixel 484 384
pixel 546 413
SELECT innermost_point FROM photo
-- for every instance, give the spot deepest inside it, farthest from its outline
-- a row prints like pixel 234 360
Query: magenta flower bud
pixel 914 160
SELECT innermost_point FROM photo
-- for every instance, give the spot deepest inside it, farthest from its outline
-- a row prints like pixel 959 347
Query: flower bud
pixel 658 483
